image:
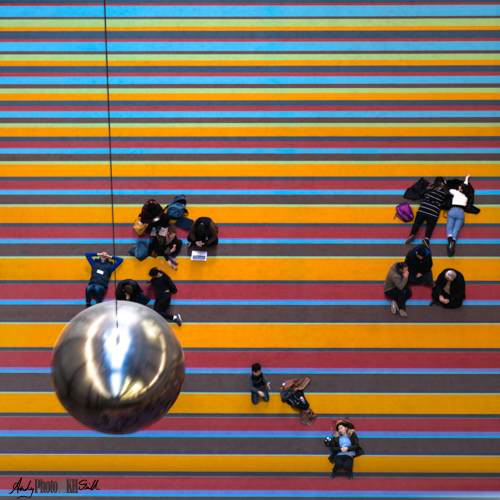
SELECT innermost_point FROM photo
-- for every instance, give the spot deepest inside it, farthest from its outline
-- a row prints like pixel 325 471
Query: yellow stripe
pixel 246 169
pixel 240 403
pixel 335 335
pixel 243 269
pixel 267 130
pixel 227 214
pixel 470 464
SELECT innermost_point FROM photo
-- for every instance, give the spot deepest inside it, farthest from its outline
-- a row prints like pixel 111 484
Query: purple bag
pixel 404 212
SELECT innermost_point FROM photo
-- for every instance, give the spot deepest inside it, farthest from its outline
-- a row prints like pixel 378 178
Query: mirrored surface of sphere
pixel 118 367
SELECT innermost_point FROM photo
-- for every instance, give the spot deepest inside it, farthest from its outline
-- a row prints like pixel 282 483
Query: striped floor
pixel 297 127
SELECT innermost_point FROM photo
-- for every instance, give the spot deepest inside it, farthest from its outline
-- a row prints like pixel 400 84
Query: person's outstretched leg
pixel 419 220
pixel 88 294
pixel 431 224
pixel 459 222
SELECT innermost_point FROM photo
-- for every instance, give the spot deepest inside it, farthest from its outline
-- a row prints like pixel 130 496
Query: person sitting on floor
pixel 102 269
pixel 395 287
pixel 153 215
pixel 164 242
pixel 259 385
pixel 163 287
pixel 449 291
pixel 204 233
pixel 419 260
pixel 131 291
pixel 344 447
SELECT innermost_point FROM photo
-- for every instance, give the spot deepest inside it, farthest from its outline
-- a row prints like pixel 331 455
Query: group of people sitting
pixel 448 292
pixel 434 201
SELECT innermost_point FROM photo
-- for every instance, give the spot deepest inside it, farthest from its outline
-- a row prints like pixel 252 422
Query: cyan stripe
pixel 251 302
pixel 227 192
pixel 250 150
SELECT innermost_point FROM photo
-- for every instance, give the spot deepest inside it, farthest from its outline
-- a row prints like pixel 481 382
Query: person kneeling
pixel 449 291
pixel 395 287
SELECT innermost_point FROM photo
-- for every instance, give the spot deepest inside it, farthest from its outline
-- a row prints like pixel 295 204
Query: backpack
pixel 404 212
pixel 295 400
pixel 139 249
pixel 177 208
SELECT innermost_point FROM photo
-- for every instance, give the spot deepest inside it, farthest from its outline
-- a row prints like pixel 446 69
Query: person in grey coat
pixel 395 287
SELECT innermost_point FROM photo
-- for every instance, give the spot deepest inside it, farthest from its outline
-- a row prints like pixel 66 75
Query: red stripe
pixel 305 359
pixel 250 291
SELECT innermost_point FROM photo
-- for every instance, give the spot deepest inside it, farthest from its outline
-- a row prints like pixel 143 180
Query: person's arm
pixel 169 283
pixel 458 293
pixel 354 443
pixel 89 256
pixel 426 266
pixel 213 232
pixel 335 446
pixel 252 387
pixel 399 281
pixel 117 262
pixel 192 232
pixel 467 179
pixel 439 284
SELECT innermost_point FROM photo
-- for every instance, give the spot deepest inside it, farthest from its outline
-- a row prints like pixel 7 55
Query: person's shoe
pixel 332 475
pixel 427 243
pixel 351 477
pixel 434 303
pixel 172 265
pixel 452 247
pixel 177 319
pixel 394 307
pixel 87 305
pixel 410 239
pixel 403 313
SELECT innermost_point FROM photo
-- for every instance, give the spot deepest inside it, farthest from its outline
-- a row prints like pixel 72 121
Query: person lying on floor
pixel 102 269
pixel 419 260
pixel 163 287
pixel 131 291
pixel 449 291
pixel 456 215
pixel 204 233
pixel 395 287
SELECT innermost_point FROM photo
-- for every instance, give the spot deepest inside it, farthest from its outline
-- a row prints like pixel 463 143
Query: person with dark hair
pixel 456 215
pixel 152 214
pixel 344 447
pixel 449 291
pixel 429 210
pixel 131 291
pixel 419 260
pixel 395 287
pixel 102 269
pixel 204 233
pixel 163 287
pixel 259 385
pixel 164 242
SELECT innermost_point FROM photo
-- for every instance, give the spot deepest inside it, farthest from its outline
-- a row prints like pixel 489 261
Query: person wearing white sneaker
pixel 163 287
pixel 395 287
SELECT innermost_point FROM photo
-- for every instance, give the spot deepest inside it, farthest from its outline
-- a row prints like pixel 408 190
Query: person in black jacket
pixel 344 447
pixel 163 287
pixel 102 269
pixel 130 290
pixel 449 291
pixel 419 260
pixel 204 233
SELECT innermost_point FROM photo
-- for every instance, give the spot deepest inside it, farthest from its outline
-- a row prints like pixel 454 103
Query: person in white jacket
pixel 456 215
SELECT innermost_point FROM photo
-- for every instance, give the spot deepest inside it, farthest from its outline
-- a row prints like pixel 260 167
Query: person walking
pixel 102 269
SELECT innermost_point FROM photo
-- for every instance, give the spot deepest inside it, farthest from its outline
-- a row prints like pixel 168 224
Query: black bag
pixel 295 400
pixel 177 208
pixel 417 191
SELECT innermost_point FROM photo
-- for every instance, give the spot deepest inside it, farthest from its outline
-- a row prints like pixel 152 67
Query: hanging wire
pixel 110 154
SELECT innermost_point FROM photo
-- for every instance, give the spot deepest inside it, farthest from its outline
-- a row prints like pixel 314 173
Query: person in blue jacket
pixel 419 260
pixel 102 269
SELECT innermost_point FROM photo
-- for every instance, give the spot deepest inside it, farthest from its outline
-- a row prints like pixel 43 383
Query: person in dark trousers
pixel 204 233
pixel 131 291
pixel 429 210
pixel 344 447
pixel 165 242
pixel 259 385
pixel 449 291
pixel 163 287
pixel 102 269
pixel 419 260
pixel 395 287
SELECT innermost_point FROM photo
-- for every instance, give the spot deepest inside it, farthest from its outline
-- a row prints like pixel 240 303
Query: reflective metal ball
pixel 118 367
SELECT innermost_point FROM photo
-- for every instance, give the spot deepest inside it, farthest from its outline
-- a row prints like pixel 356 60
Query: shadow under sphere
pixel 118 367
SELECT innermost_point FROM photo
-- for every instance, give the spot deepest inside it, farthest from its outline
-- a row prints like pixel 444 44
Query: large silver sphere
pixel 118 367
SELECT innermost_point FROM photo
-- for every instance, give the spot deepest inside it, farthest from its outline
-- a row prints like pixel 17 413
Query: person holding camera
pixel 344 447
pixel 395 287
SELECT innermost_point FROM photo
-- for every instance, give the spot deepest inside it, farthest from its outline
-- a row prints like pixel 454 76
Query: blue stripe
pixel 250 150
pixel 252 302
pixel 242 241
pixel 251 434
pixel 230 11
pixel 250 114
pixel 264 46
pixel 318 371
pixel 222 192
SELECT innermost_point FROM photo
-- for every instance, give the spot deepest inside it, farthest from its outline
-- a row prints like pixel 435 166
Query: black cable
pixel 110 154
